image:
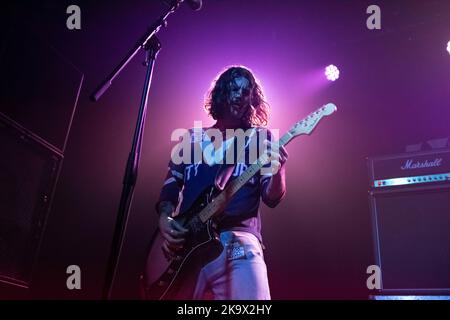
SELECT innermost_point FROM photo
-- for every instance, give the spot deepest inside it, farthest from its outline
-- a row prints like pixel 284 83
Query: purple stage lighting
pixel 448 47
pixel 332 72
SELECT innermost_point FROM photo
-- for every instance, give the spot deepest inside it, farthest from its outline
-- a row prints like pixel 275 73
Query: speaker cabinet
pixel 412 239
pixel 29 169
pixel 39 86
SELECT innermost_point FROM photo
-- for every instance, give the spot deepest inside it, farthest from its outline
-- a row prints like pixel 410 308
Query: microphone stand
pixel 150 43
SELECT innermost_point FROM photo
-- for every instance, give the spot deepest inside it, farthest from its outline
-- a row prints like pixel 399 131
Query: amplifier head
pixel 419 168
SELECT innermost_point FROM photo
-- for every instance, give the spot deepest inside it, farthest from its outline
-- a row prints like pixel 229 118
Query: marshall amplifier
pixel 410 205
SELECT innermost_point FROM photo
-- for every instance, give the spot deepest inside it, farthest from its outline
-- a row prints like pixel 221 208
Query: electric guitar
pixel 176 278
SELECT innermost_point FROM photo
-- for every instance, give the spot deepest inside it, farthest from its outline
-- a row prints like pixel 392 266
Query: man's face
pixel 240 97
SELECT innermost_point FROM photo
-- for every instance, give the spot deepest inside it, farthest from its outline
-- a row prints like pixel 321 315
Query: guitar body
pixel 176 279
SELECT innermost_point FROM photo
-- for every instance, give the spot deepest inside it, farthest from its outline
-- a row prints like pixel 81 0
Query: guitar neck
pixel 220 201
pixel 306 126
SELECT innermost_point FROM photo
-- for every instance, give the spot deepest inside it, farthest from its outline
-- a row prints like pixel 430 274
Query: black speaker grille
pixel 412 236
pixel 27 178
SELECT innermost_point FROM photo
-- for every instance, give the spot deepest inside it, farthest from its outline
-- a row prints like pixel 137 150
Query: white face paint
pixel 240 97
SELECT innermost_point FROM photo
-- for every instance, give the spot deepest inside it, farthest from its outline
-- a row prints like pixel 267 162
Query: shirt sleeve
pixel 173 182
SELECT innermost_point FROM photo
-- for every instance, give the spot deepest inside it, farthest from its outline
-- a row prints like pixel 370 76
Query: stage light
pixel 332 72
pixel 448 47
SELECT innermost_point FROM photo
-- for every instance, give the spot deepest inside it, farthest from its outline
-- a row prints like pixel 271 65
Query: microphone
pixel 194 4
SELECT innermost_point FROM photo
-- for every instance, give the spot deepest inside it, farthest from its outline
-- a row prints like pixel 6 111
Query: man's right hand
pixel 174 234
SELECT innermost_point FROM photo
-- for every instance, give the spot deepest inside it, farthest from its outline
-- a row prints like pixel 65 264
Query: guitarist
pixel 236 101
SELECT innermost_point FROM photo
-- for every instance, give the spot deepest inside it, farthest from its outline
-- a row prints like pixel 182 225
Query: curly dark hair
pixel 217 97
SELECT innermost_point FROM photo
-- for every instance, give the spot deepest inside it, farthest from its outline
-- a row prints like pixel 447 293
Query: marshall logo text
pixel 421 164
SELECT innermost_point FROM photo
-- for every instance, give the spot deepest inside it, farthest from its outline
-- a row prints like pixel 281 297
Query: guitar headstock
pixel 307 125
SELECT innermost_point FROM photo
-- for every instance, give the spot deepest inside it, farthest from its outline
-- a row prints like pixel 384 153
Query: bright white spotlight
pixel 448 47
pixel 332 72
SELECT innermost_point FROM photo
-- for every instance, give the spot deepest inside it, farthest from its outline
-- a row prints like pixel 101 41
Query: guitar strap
pixel 223 175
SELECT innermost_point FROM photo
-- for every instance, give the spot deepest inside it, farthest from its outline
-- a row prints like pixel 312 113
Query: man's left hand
pixel 277 156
